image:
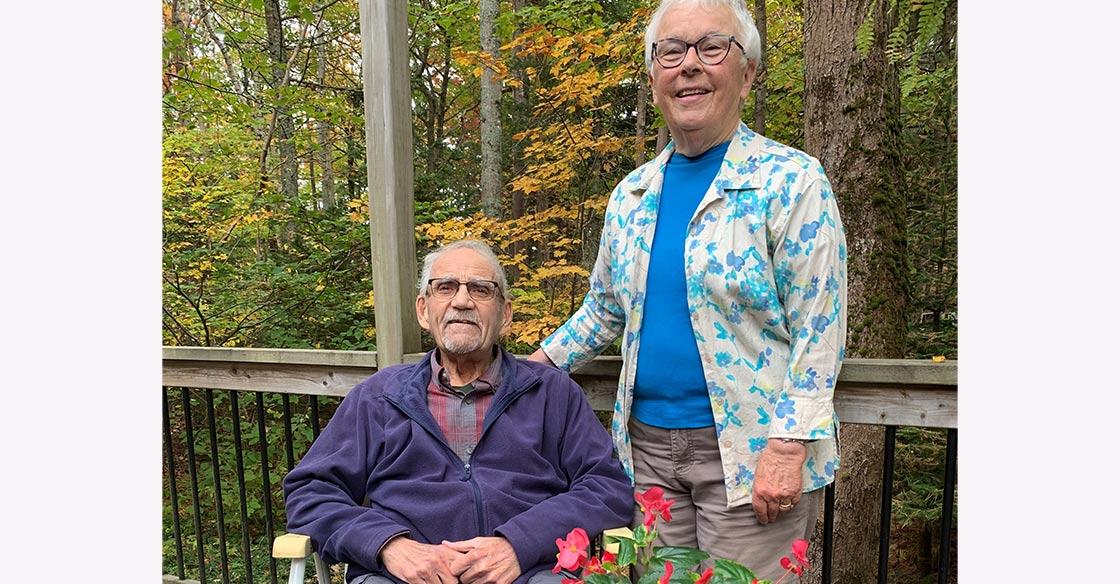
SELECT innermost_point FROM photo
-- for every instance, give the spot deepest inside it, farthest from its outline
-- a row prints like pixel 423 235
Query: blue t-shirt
pixel 669 387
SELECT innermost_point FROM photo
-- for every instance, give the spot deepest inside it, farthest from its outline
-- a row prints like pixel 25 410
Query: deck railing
pixel 890 393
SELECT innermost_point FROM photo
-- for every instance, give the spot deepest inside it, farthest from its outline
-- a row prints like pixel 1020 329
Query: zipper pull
pixel 467 471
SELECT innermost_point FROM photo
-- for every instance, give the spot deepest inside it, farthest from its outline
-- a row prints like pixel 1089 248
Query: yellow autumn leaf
pixel 938 358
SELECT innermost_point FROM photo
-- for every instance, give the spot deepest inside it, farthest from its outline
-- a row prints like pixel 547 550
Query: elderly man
pixel 722 265
pixel 473 463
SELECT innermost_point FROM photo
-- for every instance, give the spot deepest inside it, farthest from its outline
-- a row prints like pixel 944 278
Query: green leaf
pixel 681 575
pixel 642 537
pixel 651 575
pixel 597 579
pixel 627 553
pixel 729 572
pixel 682 557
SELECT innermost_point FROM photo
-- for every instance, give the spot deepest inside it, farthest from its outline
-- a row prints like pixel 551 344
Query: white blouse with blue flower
pixel 765 261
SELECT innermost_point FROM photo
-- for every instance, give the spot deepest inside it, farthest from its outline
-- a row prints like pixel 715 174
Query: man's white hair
pixel 745 31
pixel 475 245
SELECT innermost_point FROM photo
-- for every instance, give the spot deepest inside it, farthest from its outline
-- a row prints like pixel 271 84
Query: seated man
pixel 473 462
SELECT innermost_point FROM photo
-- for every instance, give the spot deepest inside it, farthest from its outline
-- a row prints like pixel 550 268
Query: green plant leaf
pixel 597 579
pixel 682 557
pixel 627 553
pixel 728 572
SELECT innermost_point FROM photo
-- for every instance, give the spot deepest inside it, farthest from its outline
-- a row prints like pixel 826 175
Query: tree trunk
pixel 852 125
pixel 325 144
pixel 522 114
pixel 289 170
pixel 177 59
pixel 640 123
pixel 760 75
pixel 490 123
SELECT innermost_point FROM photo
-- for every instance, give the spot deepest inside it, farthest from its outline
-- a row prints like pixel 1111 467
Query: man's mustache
pixel 461 316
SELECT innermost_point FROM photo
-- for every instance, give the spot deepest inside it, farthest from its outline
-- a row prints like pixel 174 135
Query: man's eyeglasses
pixel 479 290
pixel 711 49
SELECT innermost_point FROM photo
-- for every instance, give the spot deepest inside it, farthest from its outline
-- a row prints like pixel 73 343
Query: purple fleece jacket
pixel 543 465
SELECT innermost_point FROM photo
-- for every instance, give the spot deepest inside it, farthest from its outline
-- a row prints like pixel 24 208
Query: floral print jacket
pixel 765 263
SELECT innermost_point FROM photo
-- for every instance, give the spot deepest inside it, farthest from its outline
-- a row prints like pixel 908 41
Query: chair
pixel 295 547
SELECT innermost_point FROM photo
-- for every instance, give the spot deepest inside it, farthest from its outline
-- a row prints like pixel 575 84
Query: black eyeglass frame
pixel 497 288
pixel 696 45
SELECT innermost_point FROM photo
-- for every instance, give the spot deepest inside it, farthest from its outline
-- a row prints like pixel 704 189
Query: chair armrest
pixel 291 546
pixel 610 538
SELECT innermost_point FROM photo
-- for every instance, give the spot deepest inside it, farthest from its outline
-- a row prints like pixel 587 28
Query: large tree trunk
pixel 852 126
pixel 289 170
pixel 522 114
pixel 760 75
pixel 325 144
pixel 491 124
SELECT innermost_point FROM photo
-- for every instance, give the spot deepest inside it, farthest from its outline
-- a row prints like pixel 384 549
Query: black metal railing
pixel 229 538
pixel 210 461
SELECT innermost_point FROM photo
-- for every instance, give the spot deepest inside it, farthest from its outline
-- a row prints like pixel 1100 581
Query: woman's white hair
pixel 745 32
pixel 475 245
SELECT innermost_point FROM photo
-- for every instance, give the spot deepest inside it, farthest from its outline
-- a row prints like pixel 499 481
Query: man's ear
pixel 422 312
pixel 507 316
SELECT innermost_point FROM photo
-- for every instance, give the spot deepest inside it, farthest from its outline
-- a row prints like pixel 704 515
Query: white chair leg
pixel 295 575
pixel 322 572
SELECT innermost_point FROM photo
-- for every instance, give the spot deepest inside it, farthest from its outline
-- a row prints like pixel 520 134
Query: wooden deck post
pixel 388 110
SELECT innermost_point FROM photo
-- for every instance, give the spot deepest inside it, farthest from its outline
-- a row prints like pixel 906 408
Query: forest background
pixel 525 114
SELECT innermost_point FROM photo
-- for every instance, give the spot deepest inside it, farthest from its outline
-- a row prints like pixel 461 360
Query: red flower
pixel 571 581
pixel 573 550
pixel 609 557
pixel 703 579
pixel 664 579
pixel 594 566
pixel 652 503
pixel 789 565
pixel 799 547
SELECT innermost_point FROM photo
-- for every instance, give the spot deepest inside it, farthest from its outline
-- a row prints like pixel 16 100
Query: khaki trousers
pixel 686 464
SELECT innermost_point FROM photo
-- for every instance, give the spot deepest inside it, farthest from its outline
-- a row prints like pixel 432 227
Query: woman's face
pixel 701 103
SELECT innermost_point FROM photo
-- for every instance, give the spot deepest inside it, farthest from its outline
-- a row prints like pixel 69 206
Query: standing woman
pixel 722 264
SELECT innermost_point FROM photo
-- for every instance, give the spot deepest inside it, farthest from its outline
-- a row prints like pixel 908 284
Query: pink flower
pixel 703 579
pixel 571 581
pixel 664 579
pixel 652 503
pixel 573 550
pixel 799 547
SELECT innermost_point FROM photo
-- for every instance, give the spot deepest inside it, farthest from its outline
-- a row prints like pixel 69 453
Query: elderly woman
pixel 722 264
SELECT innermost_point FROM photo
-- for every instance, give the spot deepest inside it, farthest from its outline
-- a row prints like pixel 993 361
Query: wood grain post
pixel 388 110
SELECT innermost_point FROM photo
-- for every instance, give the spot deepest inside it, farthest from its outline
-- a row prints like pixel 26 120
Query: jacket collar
pixel 411 383
pixel 745 148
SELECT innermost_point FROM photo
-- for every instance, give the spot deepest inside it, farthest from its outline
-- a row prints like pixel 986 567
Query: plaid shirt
pixel 459 412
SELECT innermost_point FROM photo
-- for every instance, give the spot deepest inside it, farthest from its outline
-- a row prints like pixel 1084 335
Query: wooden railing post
pixel 388 111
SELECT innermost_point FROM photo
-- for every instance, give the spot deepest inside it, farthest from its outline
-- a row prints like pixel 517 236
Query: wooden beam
pixel 897 392
pixel 388 110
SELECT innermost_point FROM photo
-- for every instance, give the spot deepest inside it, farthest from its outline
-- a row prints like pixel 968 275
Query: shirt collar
pixel 487 382
pixel 745 145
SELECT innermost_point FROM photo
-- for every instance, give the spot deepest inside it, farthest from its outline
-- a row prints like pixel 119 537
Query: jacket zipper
pixel 468 475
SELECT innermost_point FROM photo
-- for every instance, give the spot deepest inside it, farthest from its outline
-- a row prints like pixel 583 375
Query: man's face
pixel 694 97
pixel 462 325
